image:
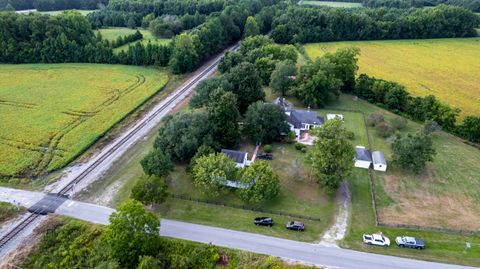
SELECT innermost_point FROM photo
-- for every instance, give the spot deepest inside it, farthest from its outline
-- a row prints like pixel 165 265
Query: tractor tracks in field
pixel 50 149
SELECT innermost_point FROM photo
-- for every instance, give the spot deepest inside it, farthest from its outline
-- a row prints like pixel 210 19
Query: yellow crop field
pixel 50 113
pixel 446 68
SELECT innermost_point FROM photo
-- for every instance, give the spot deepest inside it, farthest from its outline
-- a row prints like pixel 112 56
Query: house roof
pixel 378 158
pixel 235 155
pixel 363 154
pixel 297 117
pixel 281 102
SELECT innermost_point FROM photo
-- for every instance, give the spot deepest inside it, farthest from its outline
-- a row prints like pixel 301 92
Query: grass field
pixel 56 12
pixel 411 207
pixel 114 32
pixel 446 68
pixel 330 4
pixel 52 112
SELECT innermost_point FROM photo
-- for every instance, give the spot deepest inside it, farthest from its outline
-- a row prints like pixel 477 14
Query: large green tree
pixel 184 56
pixel 206 87
pixel 470 128
pixel 251 27
pixel 132 232
pixel 246 85
pixel 264 183
pixel 223 116
pixel 265 122
pixel 156 162
pixel 150 190
pixel 283 77
pixel 345 61
pixel 332 154
pixel 211 172
pixel 182 134
pixel 412 152
pixel 317 83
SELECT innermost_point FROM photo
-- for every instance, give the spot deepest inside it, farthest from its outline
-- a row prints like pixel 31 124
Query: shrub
pixel 399 123
pixel 267 148
pixel 350 135
pixel 375 118
pixel 304 150
pixel 291 137
pixel 384 130
pixel 299 146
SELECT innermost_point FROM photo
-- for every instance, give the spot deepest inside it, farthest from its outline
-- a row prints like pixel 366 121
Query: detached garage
pixel 363 157
pixel 379 162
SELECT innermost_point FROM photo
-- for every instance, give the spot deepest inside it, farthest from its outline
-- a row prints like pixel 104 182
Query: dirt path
pixel 337 231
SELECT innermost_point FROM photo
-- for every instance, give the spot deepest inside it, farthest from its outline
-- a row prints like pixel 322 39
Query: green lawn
pixel 114 32
pixel 441 246
pixel 330 4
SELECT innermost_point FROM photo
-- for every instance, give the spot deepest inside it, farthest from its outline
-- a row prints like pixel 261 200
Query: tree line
pixel 395 97
pixel 305 24
pixel 48 5
pixel 473 5
pixel 122 40
pixel 68 37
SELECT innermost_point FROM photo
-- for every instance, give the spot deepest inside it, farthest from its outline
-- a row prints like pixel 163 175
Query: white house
pixel 363 157
pixel 379 161
pixel 299 120
pixel 335 116
pixel 239 157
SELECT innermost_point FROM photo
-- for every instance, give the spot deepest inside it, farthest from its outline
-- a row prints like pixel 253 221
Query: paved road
pixel 107 156
pixel 288 249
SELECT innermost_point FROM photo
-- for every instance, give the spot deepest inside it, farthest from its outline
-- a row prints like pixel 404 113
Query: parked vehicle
pixel 265 156
pixel 376 240
pixel 295 225
pixel 409 242
pixel 263 221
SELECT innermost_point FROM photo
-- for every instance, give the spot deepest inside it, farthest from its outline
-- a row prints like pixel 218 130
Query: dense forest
pixel 47 5
pixel 305 24
pixel 69 37
pixel 473 5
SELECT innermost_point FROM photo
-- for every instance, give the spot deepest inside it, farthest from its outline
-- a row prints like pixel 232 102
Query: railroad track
pixel 32 216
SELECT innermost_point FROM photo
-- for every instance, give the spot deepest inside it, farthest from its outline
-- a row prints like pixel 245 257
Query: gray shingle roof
pixel 363 154
pixel 378 158
pixel 235 155
pixel 297 117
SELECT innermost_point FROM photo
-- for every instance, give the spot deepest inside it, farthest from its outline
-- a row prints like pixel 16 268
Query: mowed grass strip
pixel 331 4
pixel 113 33
pixel 53 112
pixel 446 68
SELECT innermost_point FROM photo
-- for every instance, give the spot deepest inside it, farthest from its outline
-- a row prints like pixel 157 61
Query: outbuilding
pixel 379 161
pixel 239 157
pixel 335 116
pixel 363 157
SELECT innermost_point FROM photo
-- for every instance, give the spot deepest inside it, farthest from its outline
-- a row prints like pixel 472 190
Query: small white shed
pixel 379 161
pixel 335 116
pixel 363 157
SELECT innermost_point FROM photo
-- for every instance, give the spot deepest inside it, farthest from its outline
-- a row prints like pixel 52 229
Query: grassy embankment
pixel 114 32
pixel 69 243
pixel 8 211
pixel 330 4
pixel 54 112
pixel 446 68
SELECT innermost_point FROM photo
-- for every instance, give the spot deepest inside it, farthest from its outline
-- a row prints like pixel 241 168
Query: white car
pixel 376 239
